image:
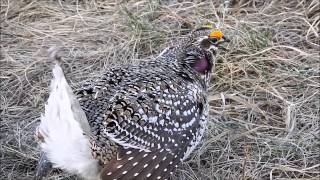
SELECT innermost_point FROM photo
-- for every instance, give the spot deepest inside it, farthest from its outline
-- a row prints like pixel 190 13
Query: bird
pixel 134 121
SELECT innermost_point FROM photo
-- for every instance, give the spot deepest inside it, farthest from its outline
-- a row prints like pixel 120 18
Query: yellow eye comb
pixel 216 34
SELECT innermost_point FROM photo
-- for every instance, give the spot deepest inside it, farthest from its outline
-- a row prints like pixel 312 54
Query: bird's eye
pixel 213 40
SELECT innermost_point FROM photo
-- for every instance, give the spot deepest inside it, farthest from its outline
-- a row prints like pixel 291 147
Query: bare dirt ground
pixel 264 94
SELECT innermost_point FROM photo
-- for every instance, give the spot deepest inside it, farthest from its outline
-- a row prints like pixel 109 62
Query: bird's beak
pixel 224 39
pixel 221 41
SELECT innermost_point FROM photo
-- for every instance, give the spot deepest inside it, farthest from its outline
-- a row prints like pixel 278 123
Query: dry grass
pixel 264 95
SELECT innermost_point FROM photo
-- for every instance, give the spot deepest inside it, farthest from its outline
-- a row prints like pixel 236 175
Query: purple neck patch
pixel 202 65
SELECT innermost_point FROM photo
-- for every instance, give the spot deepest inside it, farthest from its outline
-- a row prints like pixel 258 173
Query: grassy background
pixel 264 94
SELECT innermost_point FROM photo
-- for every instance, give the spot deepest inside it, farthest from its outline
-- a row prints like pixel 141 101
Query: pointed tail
pixel 64 132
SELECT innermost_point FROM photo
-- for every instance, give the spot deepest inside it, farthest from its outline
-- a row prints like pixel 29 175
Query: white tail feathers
pixel 65 130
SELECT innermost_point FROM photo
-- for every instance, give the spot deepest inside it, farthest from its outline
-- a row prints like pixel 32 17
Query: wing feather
pixel 153 118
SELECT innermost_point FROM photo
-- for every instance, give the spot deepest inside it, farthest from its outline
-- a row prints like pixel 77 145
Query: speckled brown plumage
pixel 148 117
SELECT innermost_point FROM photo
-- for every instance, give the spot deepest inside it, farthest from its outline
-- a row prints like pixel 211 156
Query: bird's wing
pixel 149 113
pixel 156 119
pixel 156 122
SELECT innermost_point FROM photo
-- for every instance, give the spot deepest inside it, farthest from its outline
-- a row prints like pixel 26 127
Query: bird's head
pixel 208 39
pixel 199 50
